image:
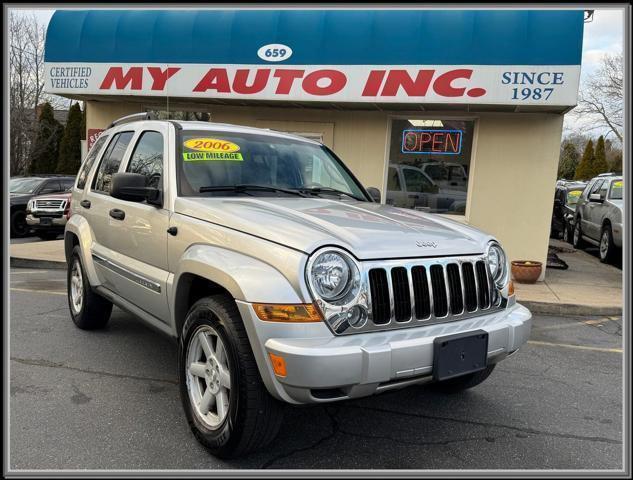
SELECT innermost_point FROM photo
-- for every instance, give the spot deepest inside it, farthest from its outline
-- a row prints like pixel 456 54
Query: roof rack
pixel 610 174
pixel 133 118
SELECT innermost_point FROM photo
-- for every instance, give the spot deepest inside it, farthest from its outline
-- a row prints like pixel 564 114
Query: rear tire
pixel 567 233
pixel 214 345
pixel 459 384
pixel 577 240
pixel 88 310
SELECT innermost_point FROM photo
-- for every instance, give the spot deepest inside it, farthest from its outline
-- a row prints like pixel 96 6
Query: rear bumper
pixel 616 229
pixel 323 368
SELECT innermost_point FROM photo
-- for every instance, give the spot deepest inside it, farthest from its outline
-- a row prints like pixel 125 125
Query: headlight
pixel 497 263
pixel 29 206
pixel 334 276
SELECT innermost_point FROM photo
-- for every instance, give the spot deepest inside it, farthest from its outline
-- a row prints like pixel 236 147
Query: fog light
pixel 357 316
pixel 278 363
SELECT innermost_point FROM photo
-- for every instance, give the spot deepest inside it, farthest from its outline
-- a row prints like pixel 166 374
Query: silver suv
pixel 598 219
pixel 278 275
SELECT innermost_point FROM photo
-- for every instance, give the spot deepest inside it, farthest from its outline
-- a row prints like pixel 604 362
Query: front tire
pixel 607 247
pixel 567 233
pixel 88 310
pixel 19 227
pixel 459 384
pixel 227 406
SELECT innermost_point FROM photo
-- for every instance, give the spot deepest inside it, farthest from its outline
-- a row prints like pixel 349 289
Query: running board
pixel 591 240
pixel 144 316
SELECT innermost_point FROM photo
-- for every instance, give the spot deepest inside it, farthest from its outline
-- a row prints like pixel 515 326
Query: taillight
pixel 67 211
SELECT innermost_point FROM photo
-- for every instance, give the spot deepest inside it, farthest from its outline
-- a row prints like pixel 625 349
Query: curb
pixel 17 262
pixel 567 309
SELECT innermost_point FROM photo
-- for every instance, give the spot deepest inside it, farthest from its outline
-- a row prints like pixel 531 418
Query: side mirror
pixel 374 193
pixel 595 197
pixel 132 187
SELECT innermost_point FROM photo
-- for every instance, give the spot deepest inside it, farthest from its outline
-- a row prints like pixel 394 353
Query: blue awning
pixel 318 37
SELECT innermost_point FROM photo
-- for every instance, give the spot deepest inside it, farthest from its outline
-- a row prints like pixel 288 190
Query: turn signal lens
pixel 510 288
pixel 279 364
pixel 287 313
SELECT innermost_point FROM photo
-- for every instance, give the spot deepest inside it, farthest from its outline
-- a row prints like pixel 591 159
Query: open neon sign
pixel 440 142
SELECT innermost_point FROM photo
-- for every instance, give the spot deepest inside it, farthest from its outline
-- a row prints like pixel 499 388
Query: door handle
pixel 117 214
pixel 85 203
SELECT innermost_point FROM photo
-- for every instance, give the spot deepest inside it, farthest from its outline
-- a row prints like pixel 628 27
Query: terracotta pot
pixel 526 271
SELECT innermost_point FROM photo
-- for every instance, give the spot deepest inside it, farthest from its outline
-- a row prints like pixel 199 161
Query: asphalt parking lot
pixel 109 400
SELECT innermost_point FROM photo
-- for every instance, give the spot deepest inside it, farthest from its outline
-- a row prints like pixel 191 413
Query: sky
pixel 604 34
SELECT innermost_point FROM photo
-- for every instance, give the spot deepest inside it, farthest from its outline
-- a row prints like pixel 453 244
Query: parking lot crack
pixel 49 364
pixel 331 413
pixel 526 430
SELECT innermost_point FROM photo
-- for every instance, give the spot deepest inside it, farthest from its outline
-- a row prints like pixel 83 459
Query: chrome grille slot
pixel 483 285
pixel 379 289
pixel 440 301
pixel 421 293
pixel 470 287
pixel 425 291
pixel 401 295
pixel 455 288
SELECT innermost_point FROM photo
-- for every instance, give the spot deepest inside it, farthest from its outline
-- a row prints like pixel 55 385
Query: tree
pixel 69 158
pixel 83 122
pixel 584 171
pixel 600 158
pixel 45 148
pixel 600 102
pixel 26 85
pixel 568 161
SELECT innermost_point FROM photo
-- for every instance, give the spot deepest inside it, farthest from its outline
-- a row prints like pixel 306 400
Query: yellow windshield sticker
pixel 211 145
pixel 574 193
pixel 211 156
pixel 618 184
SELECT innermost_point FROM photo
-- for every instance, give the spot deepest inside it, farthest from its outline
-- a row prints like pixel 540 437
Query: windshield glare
pixel 226 159
pixel 24 185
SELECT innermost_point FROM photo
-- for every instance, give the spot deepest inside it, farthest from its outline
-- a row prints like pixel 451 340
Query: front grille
pixel 438 291
pixel 50 204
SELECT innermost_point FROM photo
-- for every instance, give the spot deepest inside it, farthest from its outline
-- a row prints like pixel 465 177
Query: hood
pixel 54 196
pixel 368 230
pixel 19 198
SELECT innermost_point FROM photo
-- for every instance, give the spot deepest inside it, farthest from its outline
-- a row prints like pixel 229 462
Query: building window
pixel 429 164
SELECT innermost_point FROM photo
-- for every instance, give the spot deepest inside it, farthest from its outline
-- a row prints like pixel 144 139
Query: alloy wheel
pixel 604 244
pixel 208 376
pixel 76 287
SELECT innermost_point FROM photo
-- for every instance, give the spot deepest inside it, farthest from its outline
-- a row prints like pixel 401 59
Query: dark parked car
pixel 565 199
pixel 22 189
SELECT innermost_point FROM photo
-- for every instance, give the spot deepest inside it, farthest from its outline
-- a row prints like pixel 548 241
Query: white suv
pixel 278 275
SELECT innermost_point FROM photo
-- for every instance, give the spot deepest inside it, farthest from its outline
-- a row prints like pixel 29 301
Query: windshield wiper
pixel 317 190
pixel 243 188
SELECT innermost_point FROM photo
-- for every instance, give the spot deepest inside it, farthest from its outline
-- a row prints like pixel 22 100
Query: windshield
pixel 436 172
pixel 616 190
pixel 210 160
pixel 573 196
pixel 24 185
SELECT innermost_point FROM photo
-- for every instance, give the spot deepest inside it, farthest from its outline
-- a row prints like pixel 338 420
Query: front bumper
pixel 322 367
pixel 57 223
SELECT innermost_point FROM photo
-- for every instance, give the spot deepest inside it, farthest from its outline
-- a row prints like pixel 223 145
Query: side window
pixel 86 166
pixel 147 158
pixel 603 189
pixel 416 181
pixel 596 186
pixel 111 161
pixel 393 181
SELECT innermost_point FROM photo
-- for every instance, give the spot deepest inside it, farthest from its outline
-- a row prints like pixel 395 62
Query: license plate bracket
pixel 459 354
pixel 46 221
